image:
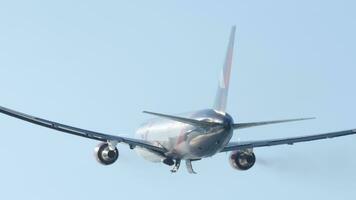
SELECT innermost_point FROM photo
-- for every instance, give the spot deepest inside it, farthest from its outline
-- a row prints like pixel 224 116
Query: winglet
pixel 223 88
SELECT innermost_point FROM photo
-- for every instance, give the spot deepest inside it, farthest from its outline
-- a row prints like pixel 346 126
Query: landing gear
pixel 168 161
pixel 176 163
pixel 189 165
pixel 176 166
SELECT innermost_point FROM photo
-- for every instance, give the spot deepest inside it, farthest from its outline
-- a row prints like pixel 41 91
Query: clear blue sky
pixel 98 64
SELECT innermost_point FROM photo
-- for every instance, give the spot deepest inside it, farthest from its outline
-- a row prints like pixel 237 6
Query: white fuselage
pixel 184 141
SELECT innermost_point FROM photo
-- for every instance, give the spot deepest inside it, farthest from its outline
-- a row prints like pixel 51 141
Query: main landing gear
pixel 176 165
pixel 171 162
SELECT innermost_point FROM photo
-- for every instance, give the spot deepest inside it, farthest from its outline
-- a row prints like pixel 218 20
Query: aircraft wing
pixel 232 146
pixel 82 132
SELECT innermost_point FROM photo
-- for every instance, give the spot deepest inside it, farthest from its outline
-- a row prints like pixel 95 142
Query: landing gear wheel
pixel 176 166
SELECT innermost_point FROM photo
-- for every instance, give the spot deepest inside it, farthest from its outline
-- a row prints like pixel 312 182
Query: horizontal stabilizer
pixel 192 122
pixel 253 124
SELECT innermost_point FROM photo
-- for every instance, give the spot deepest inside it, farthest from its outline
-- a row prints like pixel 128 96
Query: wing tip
pixel 307 118
pixel 149 112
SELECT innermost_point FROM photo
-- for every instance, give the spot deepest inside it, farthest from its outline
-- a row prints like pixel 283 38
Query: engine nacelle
pixel 242 159
pixel 104 155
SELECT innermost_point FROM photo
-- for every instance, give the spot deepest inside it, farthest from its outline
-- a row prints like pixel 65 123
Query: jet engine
pixel 104 155
pixel 242 159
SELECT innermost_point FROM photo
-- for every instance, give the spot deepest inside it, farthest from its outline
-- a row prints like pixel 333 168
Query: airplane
pixel 169 139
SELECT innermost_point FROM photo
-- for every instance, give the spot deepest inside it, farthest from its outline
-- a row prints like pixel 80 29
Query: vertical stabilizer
pixel 224 81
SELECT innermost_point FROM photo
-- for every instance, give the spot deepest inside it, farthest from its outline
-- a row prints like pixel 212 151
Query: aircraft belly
pixel 148 155
pixel 166 133
pixel 206 145
pixel 183 141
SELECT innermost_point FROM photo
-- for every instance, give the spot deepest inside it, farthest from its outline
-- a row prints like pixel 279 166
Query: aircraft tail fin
pixel 223 87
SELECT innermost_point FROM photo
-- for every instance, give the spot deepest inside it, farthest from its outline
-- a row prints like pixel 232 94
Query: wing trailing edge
pixel 83 132
pixel 233 146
